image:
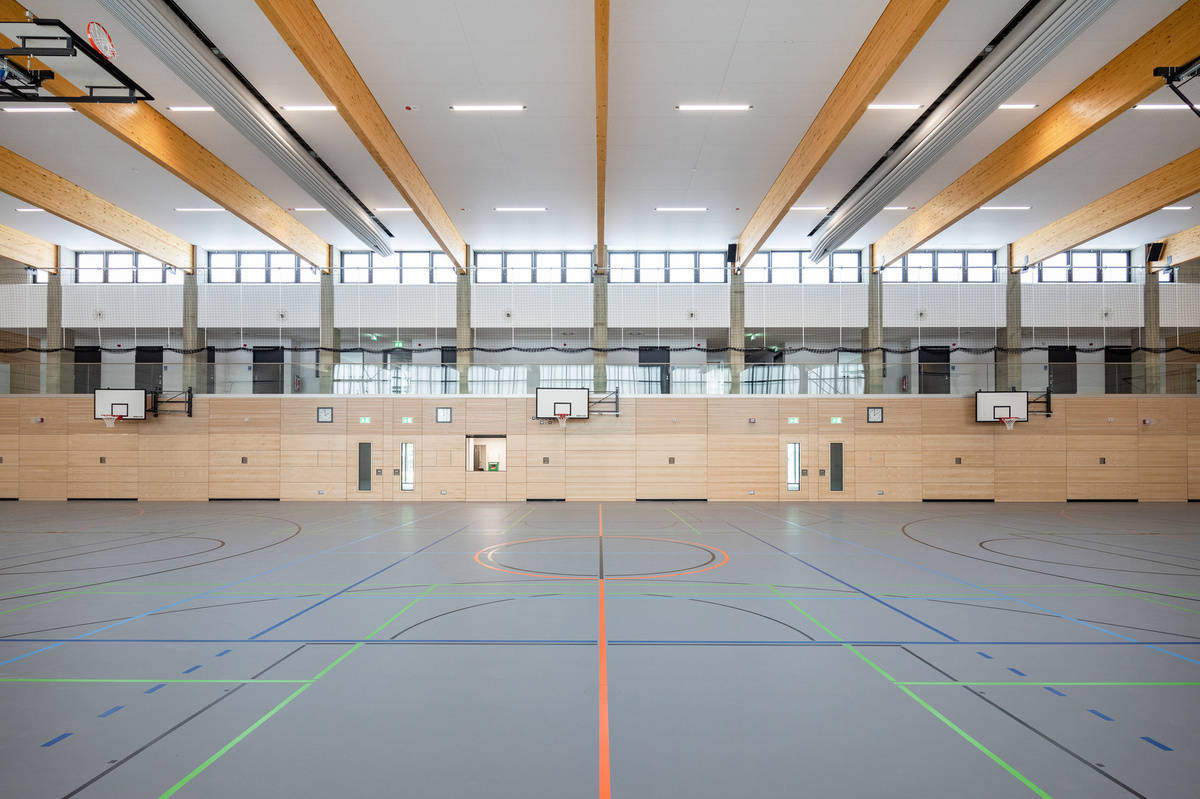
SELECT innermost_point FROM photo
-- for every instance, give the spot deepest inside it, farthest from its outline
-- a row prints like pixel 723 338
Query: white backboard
pixel 128 403
pixel 992 406
pixel 552 401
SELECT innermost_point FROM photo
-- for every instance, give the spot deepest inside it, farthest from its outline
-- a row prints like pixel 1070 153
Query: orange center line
pixel 602 691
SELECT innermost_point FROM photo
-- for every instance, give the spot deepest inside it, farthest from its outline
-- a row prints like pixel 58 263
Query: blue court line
pixel 1054 691
pixel 189 671
pixel 53 741
pixel 1095 712
pixel 155 688
pixel 223 654
pixel 354 585
pixel 984 655
pixel 960 581
pixel 219 588
pixel 110 711
pixel 840 580
pixel 1017 672
pixel 1151 741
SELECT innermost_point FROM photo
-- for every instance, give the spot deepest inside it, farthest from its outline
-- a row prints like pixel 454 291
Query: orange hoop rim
pixel 1009 421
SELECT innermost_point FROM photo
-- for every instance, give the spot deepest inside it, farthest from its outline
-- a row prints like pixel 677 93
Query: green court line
pixel 43 602
pixel 292 696
pixel 135 680
pixel 685 521
pixel 1043 683
pixel 1138 595
pixel 938 715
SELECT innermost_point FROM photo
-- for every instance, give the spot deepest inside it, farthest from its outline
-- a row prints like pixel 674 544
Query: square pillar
pixel 737 329
pixel 872 344
pixel 600 320
pixel 463 339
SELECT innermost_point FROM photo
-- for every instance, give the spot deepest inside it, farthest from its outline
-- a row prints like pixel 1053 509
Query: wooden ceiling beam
pixel 1114 89
pixel 1149 193
pixel 314 43
pixel 40 187
pixel 1181 247
pixel 896 33
pixel 602 29
pixel 28 250
pixel 149 132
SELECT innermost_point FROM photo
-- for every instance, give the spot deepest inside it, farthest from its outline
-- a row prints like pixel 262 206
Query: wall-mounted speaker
pixel 731 254
pixel 1154 251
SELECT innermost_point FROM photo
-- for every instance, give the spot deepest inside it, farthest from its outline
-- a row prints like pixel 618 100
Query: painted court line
pixel 1150 741
pixel 1095 712
pixel 53 741
pixel 110 711
pixel 605 758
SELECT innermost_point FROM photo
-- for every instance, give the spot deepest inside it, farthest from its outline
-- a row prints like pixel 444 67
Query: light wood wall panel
pixel 957 456
pixel 10 448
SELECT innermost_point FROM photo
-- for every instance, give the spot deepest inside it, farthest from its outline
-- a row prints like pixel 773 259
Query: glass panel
pixel 309 273
pixel 919 267
pixel 1054 274
pixel 385 271
pixel 283 267
pixel 652 267
pixel 1029 275
pixel 443 269
pixel 894 273
pixel 682 267
pixel 356 267
pixel 712 267
pixel 981 267
pixel 1083 263
pixel 1085 258
pixel 793 466
pixel 785 267
pixel 416 268
pixel 487 267
pixel 756 269
pixel 579 267
pixel 949 267
pixel 520 267
pixel 254 267
pixel 40 276
pixel 149 270
pixel 1116 266
pixel 621 267
pixel 408 472
pixel 120 267
pixel 172 276
pixel 549 267
pixel 847 267
pixel 89 267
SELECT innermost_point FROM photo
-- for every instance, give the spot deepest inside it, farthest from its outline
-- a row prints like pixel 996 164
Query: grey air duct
pixel 158 27
pixel 1042 31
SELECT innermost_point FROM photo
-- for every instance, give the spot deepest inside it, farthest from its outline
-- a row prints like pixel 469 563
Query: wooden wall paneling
pixel 1031 459
pixel 443 470
pixel 374 432
pixel 958 453
pixel 44 445
pixel 545 463
pixel 600 454
pixel 887 454
pixel 401 432
pixel 1193 438
pixel 826 431
pixel 102 462
pixel 1162 456
pixel 672 428
pixel 486 416
pixel 743 456
pixel 249 428
pixel 518 412
pixel 1101 428
pixel 800 431
pixel 312 464
pixel 10 448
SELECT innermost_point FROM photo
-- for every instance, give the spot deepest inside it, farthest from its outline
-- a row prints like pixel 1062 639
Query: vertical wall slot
pixel 364 466
pixel 835 466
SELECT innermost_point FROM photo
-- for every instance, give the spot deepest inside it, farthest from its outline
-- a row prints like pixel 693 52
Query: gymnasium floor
pixel 734 650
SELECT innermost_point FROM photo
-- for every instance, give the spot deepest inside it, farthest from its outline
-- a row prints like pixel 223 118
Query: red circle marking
pixel 487 552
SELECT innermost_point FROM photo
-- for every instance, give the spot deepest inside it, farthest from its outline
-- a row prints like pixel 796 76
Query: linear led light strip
pixel 519 210
pixel 663 209
pixel 41 109
pixel 712 107
pixel 487 108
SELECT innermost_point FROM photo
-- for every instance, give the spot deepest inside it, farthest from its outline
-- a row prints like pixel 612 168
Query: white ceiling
pixel 782 56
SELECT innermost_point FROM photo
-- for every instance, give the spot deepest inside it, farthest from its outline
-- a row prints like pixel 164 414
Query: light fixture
pixel 309 107
pixel 518 210
pixel 200 210
pixel 305 210
pixel 663 209
pixel 1149 107
pixel 1168 208
pixel 712 107
pixel 391 210
pixel 893 106
pixel 809 208
pixel 30 210
pixel 897 208
pixel 1017 106
pixel 1004 208
pixel 190 107
pixel 487 108
pixel 41 109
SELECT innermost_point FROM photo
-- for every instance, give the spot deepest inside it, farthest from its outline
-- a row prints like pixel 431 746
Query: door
pixel 657 358
pixel 268 370
pixel 934 365
pixel 1063 378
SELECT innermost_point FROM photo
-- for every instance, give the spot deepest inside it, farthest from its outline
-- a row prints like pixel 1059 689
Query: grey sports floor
pixel 433 650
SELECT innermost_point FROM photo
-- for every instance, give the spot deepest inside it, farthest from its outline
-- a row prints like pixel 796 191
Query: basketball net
pixel 110 420
pixel 1009 421
pixel 562 419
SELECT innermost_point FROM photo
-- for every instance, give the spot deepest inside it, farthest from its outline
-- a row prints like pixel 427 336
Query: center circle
pixel 625 557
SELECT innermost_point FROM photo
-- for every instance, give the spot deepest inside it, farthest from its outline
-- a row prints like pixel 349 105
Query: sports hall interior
pixel 617 398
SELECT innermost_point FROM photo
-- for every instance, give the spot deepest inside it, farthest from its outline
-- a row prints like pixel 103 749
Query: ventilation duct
pixel 177 46
pixel 1040 34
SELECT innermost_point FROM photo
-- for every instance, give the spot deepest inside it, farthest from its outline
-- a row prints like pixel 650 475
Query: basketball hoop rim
pixel 562 418
pixel 1009 421
pixel 110 419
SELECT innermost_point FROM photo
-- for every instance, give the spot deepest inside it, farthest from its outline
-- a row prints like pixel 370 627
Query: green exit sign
pixel 406 420
pixel 364 420
pixel 835 420
pixel 793 420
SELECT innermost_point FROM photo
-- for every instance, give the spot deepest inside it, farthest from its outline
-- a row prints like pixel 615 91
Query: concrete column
pixel 463 339
pixel 329 337
pixel 737 329
pixel 873 334
pixel 55 382
pixel 1153 363
pixel 600 321
pixel 195 364
pixel 1008 361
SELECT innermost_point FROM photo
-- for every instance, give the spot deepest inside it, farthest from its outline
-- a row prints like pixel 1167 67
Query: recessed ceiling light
pixel 713 107
pixel 1017 106
pixel 1160 107
pixel 306 209
pixel 518 209
pixel 897 208
pixel 200 210
pixel 662 209
pixel 894 106
pixel 309 107
pixel 391 210
pixel 1004 208
pixel 487 108
pixel 809 208
pixel 1168 208
pixel 190 107
pixel 41 109
pixel 30 210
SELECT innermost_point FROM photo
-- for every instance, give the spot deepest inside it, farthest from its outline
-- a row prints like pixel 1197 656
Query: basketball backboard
pixel 128 403
pixel 37 56
pixel 995 406
pixel 551 402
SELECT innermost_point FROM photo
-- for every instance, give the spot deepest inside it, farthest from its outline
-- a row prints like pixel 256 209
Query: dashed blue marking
pixel 1017 672
pixel 1095 712
pixel 189 671
pixel 155 688
pixel 223 654
pixel 984 655
pixel 110 711
pixel 1055 691
pixel 1150 741
pixel 53 741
